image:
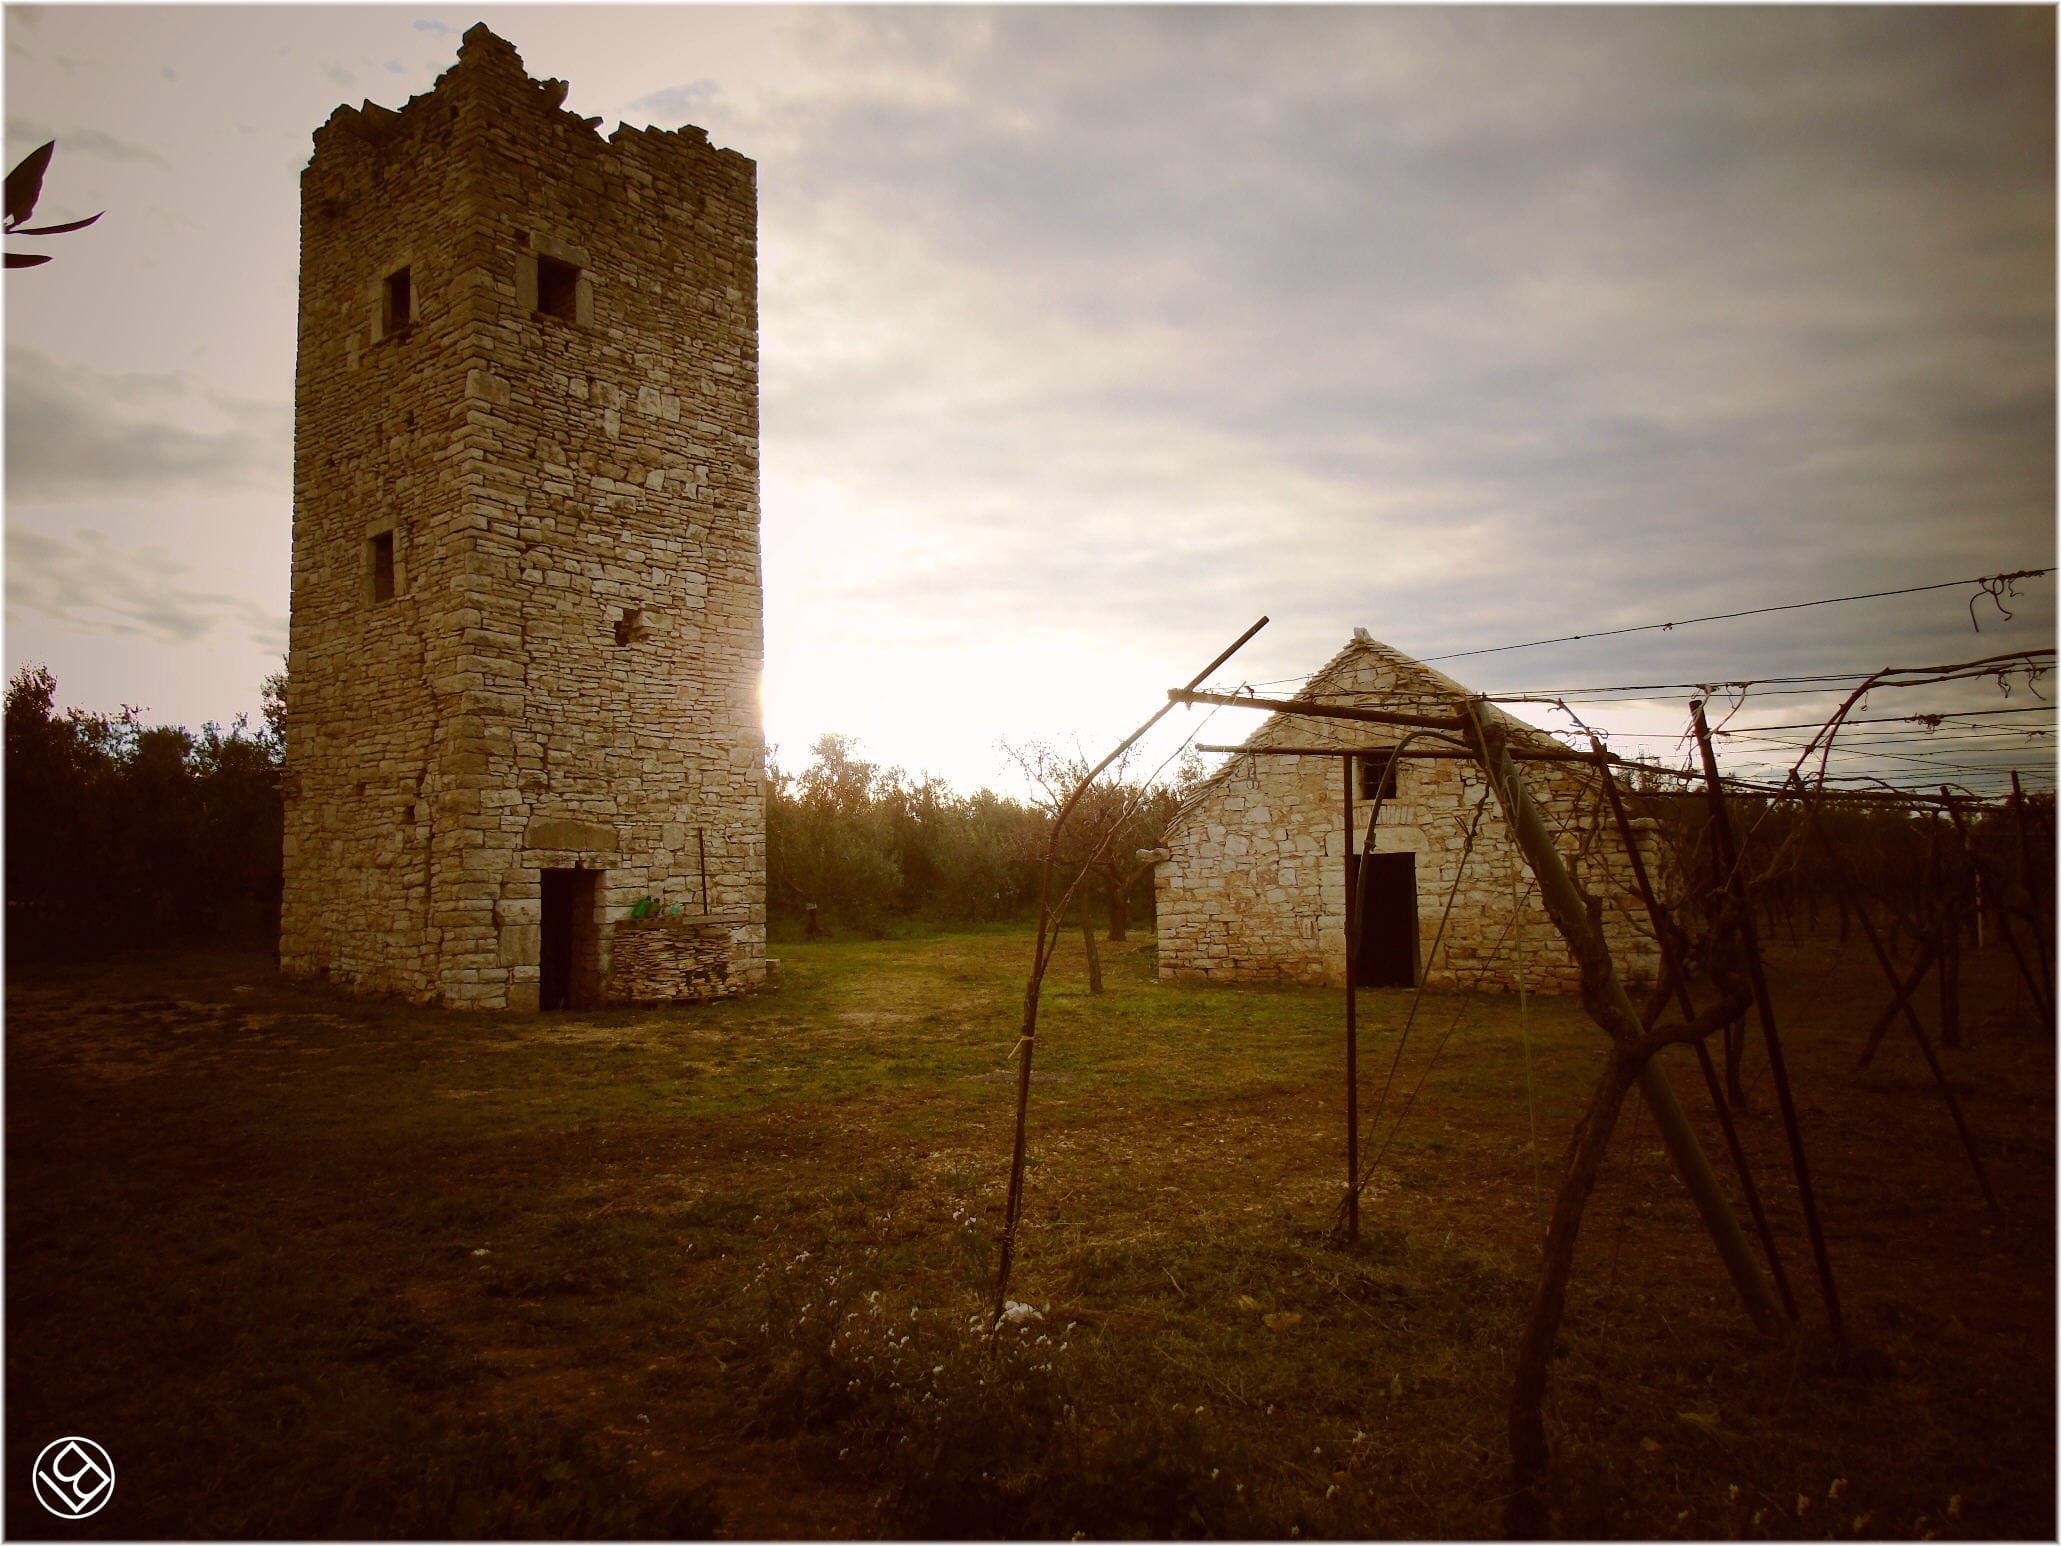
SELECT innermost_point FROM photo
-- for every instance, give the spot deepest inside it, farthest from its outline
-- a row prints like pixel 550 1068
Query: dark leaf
pixel 25 183
pixel 26 259
pixel 52 230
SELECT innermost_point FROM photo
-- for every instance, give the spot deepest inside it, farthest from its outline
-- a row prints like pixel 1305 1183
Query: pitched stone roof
pixel 1412 687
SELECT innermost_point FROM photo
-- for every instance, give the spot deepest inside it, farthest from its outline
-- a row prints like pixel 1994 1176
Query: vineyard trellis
pixel 1707 933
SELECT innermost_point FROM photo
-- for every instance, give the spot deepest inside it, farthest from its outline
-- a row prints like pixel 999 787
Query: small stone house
pixel 1253 885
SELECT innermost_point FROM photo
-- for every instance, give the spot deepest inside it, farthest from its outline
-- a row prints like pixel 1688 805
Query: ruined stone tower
pixel 524 755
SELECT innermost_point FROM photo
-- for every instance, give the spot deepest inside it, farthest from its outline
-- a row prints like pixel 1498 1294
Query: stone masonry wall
pixel 568 672
pixel 1254 885
pixel 671 960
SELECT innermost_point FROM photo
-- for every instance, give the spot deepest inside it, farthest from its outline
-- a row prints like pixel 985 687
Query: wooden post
pixel 1727 854
pixel 1352 1021
pixel 1663 932
pixel 2001 899
pixel 1937 920
pixel 1615 1015
pixel 2041 929
pixel 1012 1208
pixel 1843 878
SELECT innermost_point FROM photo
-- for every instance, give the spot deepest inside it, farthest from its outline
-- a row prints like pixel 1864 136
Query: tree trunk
pixel 1119 911
pixel 1578 920
pixel 1524 1516
pixel 1094 958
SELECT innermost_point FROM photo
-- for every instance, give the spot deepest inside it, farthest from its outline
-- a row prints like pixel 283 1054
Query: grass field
pixel 314 1266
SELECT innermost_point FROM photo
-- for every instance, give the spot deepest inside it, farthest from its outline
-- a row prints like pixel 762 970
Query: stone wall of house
pixel 1253 888
pixel 567 672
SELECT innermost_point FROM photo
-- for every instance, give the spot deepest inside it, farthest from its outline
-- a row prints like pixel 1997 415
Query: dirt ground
pixel 314 1266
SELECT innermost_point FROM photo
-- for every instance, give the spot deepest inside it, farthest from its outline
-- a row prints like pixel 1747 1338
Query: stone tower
pixel 524 754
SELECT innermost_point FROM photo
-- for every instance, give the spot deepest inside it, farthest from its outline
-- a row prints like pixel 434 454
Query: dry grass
pixel 314 1266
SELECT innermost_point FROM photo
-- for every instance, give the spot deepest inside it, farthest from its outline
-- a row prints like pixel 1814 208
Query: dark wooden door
pixel 568 957
pixel 1388 922
pixel 555 953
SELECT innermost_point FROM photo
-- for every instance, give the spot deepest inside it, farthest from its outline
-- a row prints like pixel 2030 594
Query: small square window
pixel 398 310
pixel 558 288
pixel 1377 777
pixel 629 627
pixel 380 550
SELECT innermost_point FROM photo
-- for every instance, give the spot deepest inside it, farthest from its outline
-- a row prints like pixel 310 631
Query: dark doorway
pixel 568 962
pixel 1388 921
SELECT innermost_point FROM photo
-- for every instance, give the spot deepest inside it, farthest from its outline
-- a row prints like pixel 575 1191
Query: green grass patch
pixel 317 1266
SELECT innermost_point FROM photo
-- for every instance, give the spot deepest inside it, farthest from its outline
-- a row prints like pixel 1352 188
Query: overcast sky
pixel 1089 335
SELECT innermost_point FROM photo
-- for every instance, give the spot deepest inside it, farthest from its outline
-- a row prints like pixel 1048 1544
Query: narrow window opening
pixel 558 284
pixel 382 550
pixel 629 626
pixel 400 301
pixel 1377 777
pixel 407 815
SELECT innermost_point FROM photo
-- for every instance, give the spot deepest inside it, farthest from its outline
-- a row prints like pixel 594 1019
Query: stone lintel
pixel 566 835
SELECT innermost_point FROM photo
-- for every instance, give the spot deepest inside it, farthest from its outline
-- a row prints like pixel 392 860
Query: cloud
pixel 77 433
pixel 676 103
pixel 87 583
pixel 337 75
pixel 1469 326
pixel 434 28
pixel 1602 312
pixel 85 142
